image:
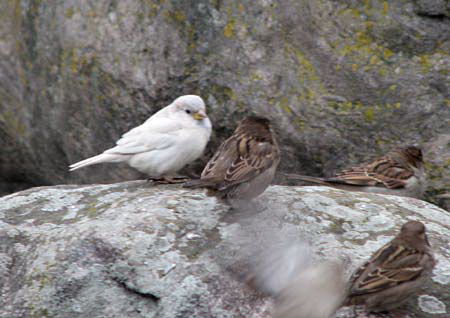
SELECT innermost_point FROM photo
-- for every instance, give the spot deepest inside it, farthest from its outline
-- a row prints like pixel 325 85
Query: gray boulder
pixel 342 80
pixel 437 164
pixel 135 250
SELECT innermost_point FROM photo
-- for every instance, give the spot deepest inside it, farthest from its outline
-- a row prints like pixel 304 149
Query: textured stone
pixel 437 165
pixel 133 250
pixel 342 80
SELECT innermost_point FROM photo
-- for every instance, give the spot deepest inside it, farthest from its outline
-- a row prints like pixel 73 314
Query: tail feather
pixel 96 159
pixel 199 183
pixel 306 178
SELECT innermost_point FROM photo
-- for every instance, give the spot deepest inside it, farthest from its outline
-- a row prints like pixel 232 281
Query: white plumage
pixel 170 139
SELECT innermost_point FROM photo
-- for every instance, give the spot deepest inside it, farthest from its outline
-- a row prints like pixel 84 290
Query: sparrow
pixel 300 287
pixel 395 272
pixel 171 138
pixel 244 165
pixel 400 172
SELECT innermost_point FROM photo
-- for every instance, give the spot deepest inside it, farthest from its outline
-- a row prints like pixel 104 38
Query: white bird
pixel 170 139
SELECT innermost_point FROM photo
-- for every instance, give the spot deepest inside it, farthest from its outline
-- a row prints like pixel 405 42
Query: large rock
pixel 133 250
pixel 343 81
pixel 438 170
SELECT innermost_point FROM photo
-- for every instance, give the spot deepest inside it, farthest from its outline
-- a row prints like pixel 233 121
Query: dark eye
pixel 187 111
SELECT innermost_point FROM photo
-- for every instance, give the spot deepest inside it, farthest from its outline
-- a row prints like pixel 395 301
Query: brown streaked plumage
pixel 401 172
pixel 244 165
pixel 395 272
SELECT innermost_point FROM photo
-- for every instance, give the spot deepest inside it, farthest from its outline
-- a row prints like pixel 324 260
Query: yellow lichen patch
pixel 374 60
pixel 383 71
pixel 393 87
pixel 424 61
pixel 387 53
pixel 385 8
pixel 369 114
pixel 179 16
pixel 284 105
pixel 70 12
pixel 13 122
pixel 228 31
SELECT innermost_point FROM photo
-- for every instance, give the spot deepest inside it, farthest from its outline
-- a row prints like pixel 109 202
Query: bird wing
pixel 392 265
pixel 383 172
pixel 149 136
pixel 240 159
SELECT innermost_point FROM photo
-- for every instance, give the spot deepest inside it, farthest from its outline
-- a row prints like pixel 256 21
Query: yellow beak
pixel 199 115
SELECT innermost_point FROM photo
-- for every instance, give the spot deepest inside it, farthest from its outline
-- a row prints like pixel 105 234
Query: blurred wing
pixel 383 172
pixel 389 267
pixel 152 135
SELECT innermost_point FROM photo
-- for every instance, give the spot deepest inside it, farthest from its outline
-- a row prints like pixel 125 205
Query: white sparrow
pixel 244 165
pixel 400 172
pixel 170 139
pixel 395 272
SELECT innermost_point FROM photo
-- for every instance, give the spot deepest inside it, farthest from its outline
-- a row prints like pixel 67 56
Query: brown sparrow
pixel 244 165
pixel 395 272
pixel 400 172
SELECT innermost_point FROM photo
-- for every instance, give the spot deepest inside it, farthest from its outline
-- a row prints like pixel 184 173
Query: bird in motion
pixel 244 165
pixel 400 172
pixel 170 139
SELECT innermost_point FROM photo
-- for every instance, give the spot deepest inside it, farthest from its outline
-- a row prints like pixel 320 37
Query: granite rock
pixel 136 250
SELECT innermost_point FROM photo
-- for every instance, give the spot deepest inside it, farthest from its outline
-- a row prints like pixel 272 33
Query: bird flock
pixel 243 167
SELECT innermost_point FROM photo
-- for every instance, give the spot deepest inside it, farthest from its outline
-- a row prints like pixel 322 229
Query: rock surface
pixel 342 80
pixel 136 250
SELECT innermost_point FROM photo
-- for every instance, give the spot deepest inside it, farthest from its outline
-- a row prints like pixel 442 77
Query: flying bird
pixel 244 165
pixel 400 172
pixel 395 272
pixel 170 139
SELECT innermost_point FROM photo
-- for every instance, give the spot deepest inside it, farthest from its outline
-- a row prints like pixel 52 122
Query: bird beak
pixel 199 115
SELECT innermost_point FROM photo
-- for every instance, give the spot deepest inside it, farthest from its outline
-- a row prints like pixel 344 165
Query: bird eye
pixel 187 111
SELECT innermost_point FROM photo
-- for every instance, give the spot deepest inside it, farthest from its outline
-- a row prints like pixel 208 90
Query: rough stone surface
pixel 342 80
pixel 134 250
pixel 438 170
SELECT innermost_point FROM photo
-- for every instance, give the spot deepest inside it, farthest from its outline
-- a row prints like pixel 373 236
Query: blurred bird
pixel 300 287
pixel 170 139
pixel 401 172
pixel 395 272
pixel 244 165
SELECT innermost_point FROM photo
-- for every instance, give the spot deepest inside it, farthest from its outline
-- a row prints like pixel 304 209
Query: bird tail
pixel 96 159
pixel 292 176
pixel 200 183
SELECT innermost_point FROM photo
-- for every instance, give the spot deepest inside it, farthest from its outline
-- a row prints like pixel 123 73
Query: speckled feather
pixel 250 152
pixel 394 272
pixel 401 169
